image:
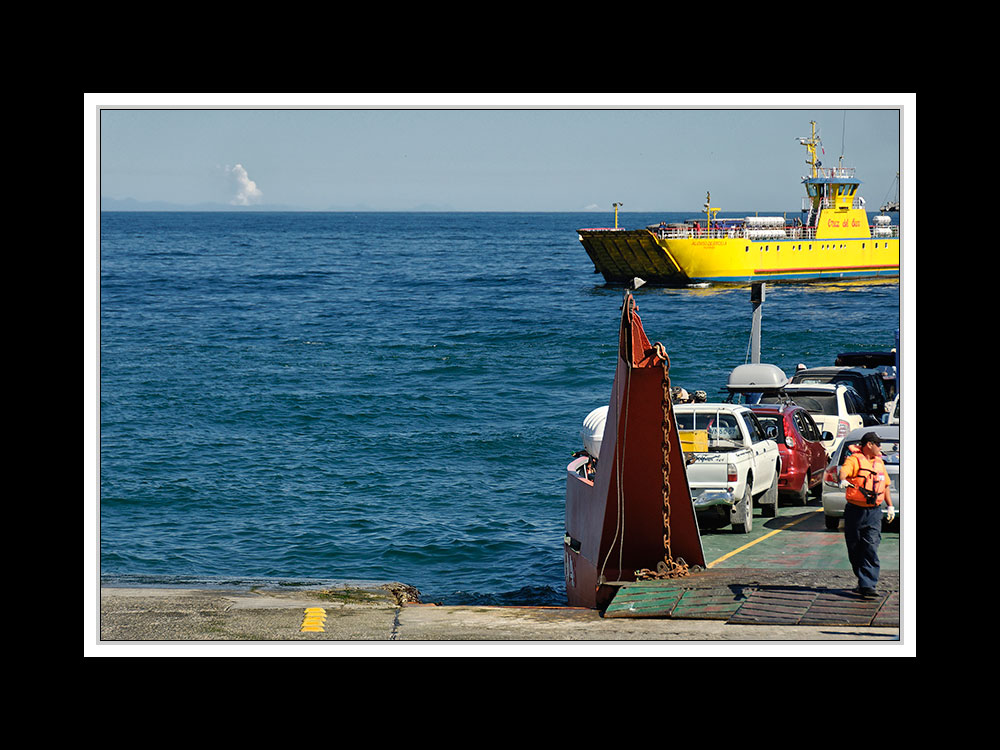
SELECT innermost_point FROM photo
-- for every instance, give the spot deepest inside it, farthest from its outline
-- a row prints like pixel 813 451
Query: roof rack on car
pixel 757 378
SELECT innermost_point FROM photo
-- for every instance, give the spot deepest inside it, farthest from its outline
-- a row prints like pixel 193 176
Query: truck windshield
pixel 721 427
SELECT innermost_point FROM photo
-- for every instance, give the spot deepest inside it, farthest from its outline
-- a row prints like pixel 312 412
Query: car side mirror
pixel 827 435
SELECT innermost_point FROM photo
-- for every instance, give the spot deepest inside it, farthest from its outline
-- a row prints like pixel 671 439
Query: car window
pixel 797 420
pixel 871 391
pixel 853 381
pixel 756 431
pixel 805 427
pixel 685 420
pixel 850 403
pixel 812 379
pixel 877 387
pixel 854 403
pixel 772 420
pixel 816 403
pixel 813 427
pixel 890 451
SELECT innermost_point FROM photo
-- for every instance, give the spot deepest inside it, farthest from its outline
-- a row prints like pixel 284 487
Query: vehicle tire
pixel 832 523
pixel 802 496
pixel 817 491
pixel 769 500
pixel 747 525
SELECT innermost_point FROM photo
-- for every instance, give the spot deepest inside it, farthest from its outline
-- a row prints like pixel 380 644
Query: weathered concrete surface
pixel 390 614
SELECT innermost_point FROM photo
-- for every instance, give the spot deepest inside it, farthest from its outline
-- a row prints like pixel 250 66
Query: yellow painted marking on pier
pixel 761 539
pixel 314 619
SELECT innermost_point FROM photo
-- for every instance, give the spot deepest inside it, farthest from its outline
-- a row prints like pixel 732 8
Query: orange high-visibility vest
pixel 869 475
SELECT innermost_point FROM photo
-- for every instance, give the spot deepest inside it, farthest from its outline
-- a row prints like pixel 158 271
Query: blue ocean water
pixel 313 397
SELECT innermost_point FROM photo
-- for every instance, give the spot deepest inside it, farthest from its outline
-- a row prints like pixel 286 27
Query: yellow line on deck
pixel 766 536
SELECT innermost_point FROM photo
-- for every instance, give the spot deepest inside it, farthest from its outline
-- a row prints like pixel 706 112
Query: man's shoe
pixel 867 593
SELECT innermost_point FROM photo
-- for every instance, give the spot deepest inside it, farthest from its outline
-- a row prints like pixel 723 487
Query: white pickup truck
pixel 731 462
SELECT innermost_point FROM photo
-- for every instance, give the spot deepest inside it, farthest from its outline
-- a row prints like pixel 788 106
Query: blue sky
pixel 508 157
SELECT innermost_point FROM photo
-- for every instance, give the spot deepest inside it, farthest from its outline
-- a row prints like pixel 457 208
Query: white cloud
pixel 247 191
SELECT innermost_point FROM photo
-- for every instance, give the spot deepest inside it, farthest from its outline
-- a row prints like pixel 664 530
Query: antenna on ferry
pixel 843 136
pixel 709 210
pixel 810 143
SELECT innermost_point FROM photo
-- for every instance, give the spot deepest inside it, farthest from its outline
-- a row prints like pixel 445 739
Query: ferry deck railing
pixel 758 234
pixel 807 203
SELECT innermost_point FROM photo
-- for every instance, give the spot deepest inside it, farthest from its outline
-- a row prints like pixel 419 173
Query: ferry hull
pixel 620 256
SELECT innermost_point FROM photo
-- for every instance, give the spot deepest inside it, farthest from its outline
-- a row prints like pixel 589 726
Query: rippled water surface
pixel 326 396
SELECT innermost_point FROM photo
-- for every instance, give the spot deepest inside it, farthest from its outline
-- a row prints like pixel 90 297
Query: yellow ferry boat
pixel 833 240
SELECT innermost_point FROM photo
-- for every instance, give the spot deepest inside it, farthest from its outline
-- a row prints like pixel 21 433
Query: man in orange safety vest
pixel 866 486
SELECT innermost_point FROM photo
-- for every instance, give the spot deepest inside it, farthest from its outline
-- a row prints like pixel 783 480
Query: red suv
pixel 803 457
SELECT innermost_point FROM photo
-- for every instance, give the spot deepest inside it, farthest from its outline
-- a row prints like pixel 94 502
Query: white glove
pixel 890 513
pixel 844 484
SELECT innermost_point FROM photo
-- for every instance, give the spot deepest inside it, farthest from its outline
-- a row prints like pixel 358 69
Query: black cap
pixel 871 437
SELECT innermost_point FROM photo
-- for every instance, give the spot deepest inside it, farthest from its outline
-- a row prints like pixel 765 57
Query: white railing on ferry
pixel 829 203
pixel 833 172
pixel 790 233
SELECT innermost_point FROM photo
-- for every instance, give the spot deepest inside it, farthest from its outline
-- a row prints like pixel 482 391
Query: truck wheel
pixel 769 500
pixel 747 501
pixel 832 522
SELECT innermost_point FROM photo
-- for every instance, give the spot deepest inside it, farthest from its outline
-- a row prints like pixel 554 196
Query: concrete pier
pixel 390 613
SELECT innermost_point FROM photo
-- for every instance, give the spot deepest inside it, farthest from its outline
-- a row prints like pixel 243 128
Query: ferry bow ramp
pixel 623 254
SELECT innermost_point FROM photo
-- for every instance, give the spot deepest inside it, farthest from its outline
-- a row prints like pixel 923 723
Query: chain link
pixel 668 567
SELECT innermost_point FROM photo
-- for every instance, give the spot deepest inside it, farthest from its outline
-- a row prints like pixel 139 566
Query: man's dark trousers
pixel 863 532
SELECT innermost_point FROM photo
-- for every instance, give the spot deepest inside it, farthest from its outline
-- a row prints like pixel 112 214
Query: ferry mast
pixel 829 187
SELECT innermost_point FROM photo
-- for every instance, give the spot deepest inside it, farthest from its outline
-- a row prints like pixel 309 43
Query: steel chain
pixel 668 567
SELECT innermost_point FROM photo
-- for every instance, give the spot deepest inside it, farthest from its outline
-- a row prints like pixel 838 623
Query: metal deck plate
pixel 754 604
pixel 645 599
